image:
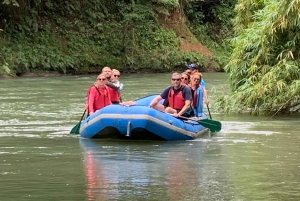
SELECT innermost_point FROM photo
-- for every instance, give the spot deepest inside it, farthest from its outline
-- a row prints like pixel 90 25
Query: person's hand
pixel 206 102
pixel 175 114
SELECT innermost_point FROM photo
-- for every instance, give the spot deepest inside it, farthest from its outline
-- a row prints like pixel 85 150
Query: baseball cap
pixel 192 66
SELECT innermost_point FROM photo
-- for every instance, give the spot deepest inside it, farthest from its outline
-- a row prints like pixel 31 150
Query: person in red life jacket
pixel 179 98
pixel 99 96
pixel 199 94
pixel 107 72
pixel 114 87
pixel 86 106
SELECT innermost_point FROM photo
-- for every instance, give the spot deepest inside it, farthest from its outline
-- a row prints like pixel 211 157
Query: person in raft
pixel 115 87
pixel 185 78
pixel 179 98
pixel 106 71
pixel 199 94
pixel 99 96
pixel 192 69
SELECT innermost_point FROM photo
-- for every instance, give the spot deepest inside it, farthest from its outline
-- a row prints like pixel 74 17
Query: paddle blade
pixel 75 129
pixel 212 125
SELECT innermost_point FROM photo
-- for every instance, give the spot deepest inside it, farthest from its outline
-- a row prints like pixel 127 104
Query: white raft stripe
pixel 137 116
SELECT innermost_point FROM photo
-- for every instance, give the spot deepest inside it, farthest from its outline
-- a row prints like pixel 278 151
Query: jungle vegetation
pixel 262 60
pixel 131 35
pixel 264 70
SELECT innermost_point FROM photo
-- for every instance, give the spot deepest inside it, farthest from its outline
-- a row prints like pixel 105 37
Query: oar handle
pixel 82 115
pixel 208 111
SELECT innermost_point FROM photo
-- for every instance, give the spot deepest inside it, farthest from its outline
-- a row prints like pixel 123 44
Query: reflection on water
pixel 154 171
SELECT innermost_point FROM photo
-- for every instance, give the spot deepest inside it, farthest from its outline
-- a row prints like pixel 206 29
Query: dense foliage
pixel 264 68
pixel 211 22
pixel 83 36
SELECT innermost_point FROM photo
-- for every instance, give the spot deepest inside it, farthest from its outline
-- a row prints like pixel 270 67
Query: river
pixel 251 158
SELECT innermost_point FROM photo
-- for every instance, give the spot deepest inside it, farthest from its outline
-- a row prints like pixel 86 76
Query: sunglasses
pixel 116 75
pixel 196 79
pixel 101 79
pixel 184 78
pixel 175 79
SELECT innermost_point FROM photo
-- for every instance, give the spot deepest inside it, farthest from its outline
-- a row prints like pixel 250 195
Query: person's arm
pixel 108 96
pixel 91 100
pixel 86 106
pixel 155 101
pixel 205 97
pixel 199 104
pixel 187 95
pixel 111 85
pixel 185 107
pixel 121 86
pixel 202 83
pixel 163 95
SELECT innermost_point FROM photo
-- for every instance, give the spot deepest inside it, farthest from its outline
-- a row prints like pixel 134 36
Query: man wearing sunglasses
pixel 115 86
pixel 179 98
pixel 113 83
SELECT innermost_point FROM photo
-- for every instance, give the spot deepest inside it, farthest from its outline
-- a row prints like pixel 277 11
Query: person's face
pixel 196 80
pixel 176 79
pixel 107 72
pixel 184 79
pixel 101 80
pixel 116 75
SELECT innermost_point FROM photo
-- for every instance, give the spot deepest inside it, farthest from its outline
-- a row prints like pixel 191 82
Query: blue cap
pixel 192 66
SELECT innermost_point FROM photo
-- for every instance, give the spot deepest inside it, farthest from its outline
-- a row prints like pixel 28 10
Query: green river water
pixel 251 158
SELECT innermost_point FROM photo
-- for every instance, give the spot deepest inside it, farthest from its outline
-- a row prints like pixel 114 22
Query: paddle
pixel 212 125
pixel 75 129
pixel 208 111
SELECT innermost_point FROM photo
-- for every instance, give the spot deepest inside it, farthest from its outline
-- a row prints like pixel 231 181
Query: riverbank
pixel 57 74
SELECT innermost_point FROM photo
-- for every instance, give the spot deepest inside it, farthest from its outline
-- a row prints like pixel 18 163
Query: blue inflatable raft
pixel 139 122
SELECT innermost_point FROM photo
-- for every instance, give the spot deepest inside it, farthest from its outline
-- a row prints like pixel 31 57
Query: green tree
pixel 82 36
pixel 264 66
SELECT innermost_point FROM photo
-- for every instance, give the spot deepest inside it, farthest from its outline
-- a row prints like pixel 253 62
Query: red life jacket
pixel 194 93
pixel 88 94
pixel 101 99
pixel 176 100
pixel 114 95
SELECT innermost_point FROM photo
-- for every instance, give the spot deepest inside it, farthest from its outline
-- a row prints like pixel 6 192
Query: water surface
pixel 251 158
